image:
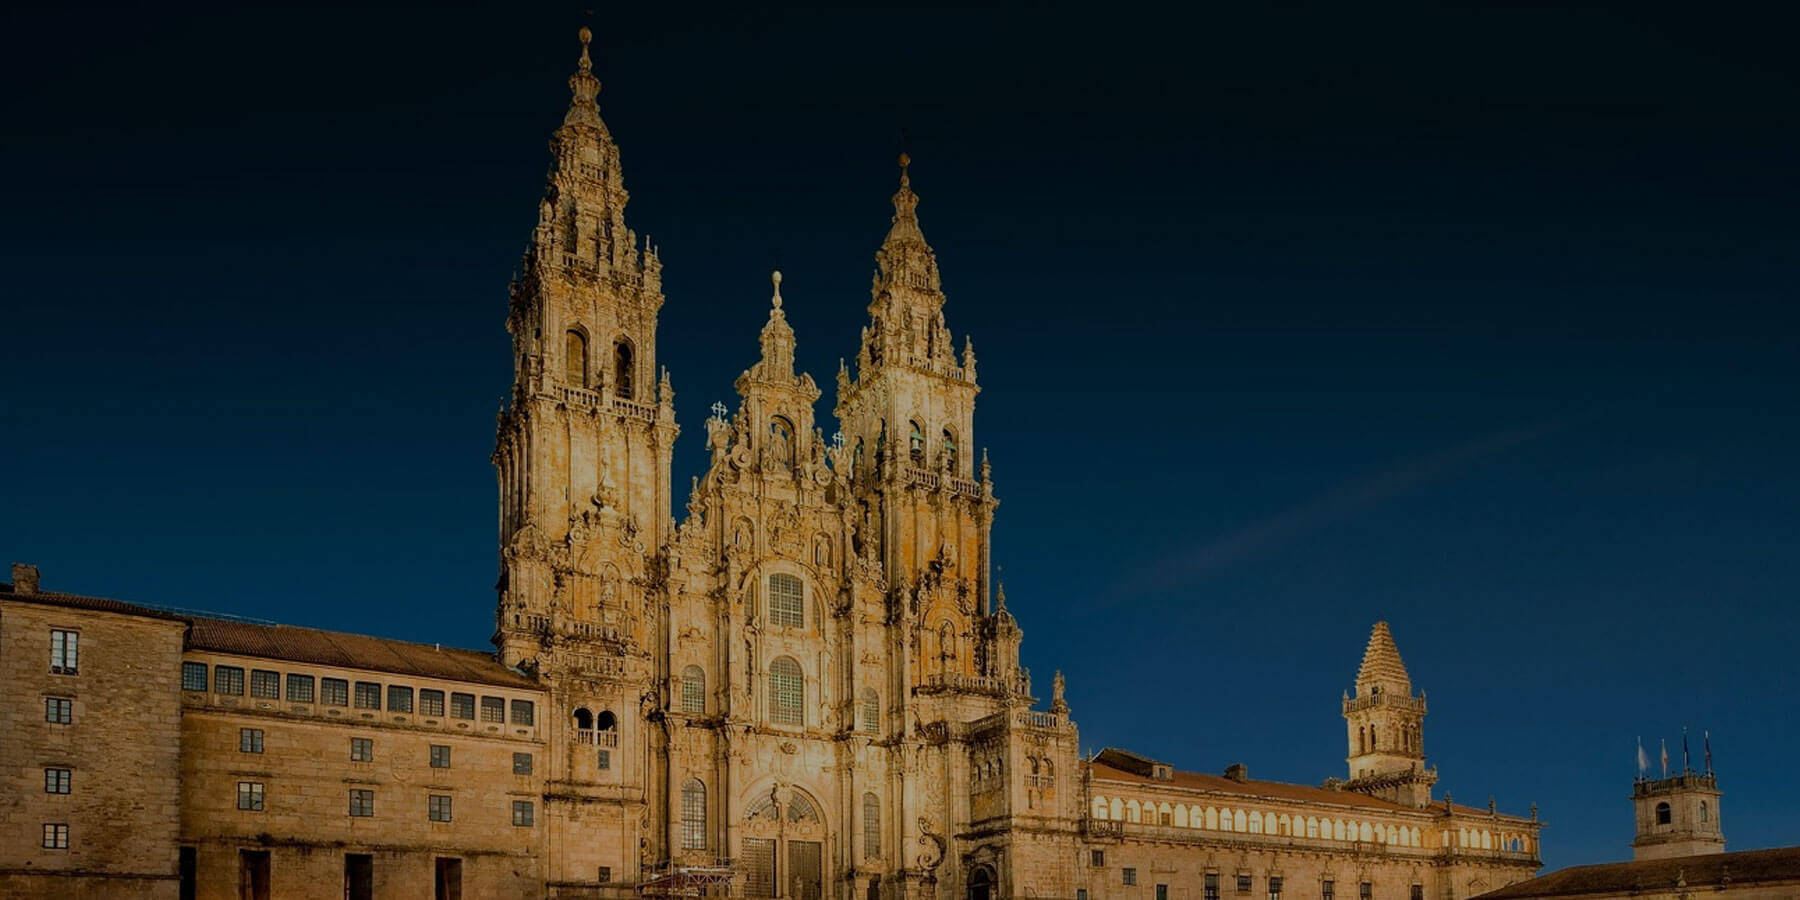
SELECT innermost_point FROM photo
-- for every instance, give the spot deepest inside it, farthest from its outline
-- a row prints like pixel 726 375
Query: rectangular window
pixel 59 710
pixel 56 836
pixel 521 764
pixel 63 651
pixel 1243 884
pixel 1130 875
pixel 786 601
pixel 522 813
pixel 56 781
pixel 334 692
pixel 1212 886
pixel 193 676
pixel 300 689
pixel 265 685
pixel 250 740
pixel 399 698
pixel 1096 858
pixel 1328 890
pixel 228 680
pixel 250 795
pixel 1275 888
pixel 1365 890
pixel 362 802
pixel 523 712
pixel 440 756
pixel 462 706
pixel 368 695
pixel 362 750
pixel 493 709
pixel 431 703
pixel 604 760
pixel 1162 892
pixel 437 807
pixel 1081 894
pixel 604 876
pixel 1418 892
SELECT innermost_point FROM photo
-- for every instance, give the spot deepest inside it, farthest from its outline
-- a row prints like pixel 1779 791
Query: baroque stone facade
pixel 806 686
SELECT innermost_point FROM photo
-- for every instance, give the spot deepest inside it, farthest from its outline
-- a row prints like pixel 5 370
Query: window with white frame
pixel 787 598
pixel 787 692
pixel 64 651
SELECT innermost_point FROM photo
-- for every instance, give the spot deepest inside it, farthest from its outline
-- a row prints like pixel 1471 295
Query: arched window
pixel 856 462
pixel 787 692
pixel 1371 739
pixel 950 449
pixel 575 358
pixel 871 826
pixel 1362 740
pixel 693 815
pixel 869 710
pixel 946 648
pixel 916 442
pixel 606 721
pixel 1099 810
pixel 1225 820
pixel 787 601
pixel 1118 809
pixel 1703 813
pixel 584 720
pixel 881 439
pixel 1662 813
pixel 622 369
pixel 693 691
pixel 781 442
pixel 1132 813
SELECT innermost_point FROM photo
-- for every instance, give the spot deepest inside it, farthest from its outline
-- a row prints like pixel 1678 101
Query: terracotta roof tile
pixel 1274 790
pixel 1706 871
pixel 98 604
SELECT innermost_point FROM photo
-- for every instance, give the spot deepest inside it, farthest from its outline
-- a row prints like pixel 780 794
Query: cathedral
pixel 806 685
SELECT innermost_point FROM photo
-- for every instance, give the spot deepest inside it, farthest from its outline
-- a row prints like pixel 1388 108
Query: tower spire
pixel 1381 665
pixel 583 87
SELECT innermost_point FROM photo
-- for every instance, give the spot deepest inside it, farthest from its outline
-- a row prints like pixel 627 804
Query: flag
pixel 1665 757
pixel 1643 759
pixel 1707 737
pixel 1686 763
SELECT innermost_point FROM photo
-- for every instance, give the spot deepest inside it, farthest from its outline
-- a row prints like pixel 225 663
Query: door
pixel 359 876
pixel 806 870
pixel 253 874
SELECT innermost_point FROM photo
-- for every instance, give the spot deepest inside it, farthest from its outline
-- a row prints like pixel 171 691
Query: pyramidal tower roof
pixel 1381 663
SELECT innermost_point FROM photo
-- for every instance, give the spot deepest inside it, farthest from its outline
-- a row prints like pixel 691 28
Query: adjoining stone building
pixel 807 686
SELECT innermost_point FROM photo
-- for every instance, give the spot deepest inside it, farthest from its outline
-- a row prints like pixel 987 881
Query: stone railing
pixel 977 684
pixel 1104 829
pixel 1030 718
pixel 633 409
pixel 1040 781
pixel 580 398
pixel 1391 701
pixel 930 480
pixel 589 736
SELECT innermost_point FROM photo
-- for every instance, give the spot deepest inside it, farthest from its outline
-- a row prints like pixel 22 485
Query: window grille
pixel 64 651
pixel 368 695
pixel 1243 884
pixel 521 764
pixel 265 685
pixel 334 691
pixel 693 691
pixel 431 703
pixel 462 706
pixel 871 826
pixel 1097 858
pixel 1365 890
pixel 1212 886
pixel 228 680
pixel 524 712
pixel 193 676
pixel 300 688
pixel 1129 874
pixel 787 692
pixel 1418 892
pixel 1275 889
pixel 400 698
pixel 786 601
pixel 759 867
pixel 493 709
pixel 603 760
pixel 693 815
pixel 871 710
pixel 1328 890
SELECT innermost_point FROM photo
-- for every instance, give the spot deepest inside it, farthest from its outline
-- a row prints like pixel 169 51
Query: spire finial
pixel 905 160
pixel 587 36
pixel 775 278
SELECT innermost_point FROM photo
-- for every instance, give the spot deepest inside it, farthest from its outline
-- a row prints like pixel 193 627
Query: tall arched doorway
pixel 981 883
pixel 784 845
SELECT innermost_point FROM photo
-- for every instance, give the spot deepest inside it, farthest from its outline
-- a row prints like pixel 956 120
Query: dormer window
pixel 1163 773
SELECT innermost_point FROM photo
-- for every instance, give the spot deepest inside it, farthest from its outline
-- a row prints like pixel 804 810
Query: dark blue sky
pixel 1479 320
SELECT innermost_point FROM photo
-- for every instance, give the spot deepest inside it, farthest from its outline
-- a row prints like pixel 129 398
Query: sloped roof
pixel 1704 871
pixel 307 645
pixel 1381 660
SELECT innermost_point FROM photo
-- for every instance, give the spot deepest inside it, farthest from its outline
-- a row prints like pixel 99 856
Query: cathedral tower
pixel 583 455
pixel 1386 727
pixel 1677 815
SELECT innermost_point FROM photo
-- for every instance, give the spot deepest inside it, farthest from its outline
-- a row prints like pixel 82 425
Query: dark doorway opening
pixel 449 878
pixel 253 874
pixel 359 876
pixel 981 883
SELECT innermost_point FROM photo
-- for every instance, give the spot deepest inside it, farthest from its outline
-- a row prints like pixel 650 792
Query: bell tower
pixel 1677 815
pixel 1386 727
